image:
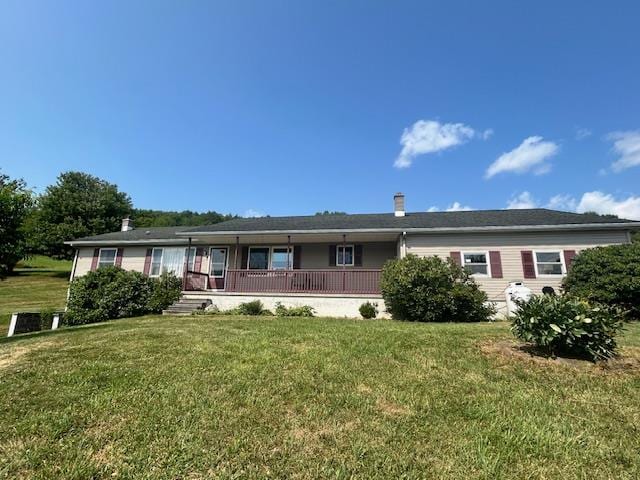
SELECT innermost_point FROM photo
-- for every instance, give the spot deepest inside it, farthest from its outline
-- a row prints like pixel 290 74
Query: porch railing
pixel 304 281
pixel 196 281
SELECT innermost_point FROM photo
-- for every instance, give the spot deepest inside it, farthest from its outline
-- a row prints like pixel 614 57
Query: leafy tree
pixel 429 289
pixel 15 203
pixel 328 212
pixel 77 205
pixel 609 275
pixel 159 218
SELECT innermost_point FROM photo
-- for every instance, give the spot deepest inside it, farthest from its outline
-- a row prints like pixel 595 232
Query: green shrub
pixel 111 292
pixel 566 325
pixel 430 289
pixel 249 308
pixel 608 275
pixel 167 289
pixel 301 311
pixel 369 310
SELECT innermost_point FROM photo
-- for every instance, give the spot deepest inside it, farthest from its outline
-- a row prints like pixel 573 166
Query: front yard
pixel 200 397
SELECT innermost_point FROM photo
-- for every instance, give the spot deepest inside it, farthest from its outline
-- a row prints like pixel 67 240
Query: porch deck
pixel 336 281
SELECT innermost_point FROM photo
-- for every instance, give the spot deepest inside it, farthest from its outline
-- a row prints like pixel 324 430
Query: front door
pixel 218 267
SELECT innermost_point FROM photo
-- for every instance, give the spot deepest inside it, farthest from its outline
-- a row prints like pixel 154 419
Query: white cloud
pixel 531 154
pixel 522 200
pixel 458 207
pixel 595 201
pixel 562 202
pixel 431 136
pixel 454 207
pixel 487 134
pixel 582 133
pixel 627 145
pixel 251 213
pixel 606 204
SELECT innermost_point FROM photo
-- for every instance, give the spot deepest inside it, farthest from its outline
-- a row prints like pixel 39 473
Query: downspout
pixel 403 245
pixel 72 276
pixel 289 255
pixel 186 267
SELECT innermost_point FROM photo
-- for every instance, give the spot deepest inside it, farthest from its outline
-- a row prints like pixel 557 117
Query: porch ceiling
pixel 297 238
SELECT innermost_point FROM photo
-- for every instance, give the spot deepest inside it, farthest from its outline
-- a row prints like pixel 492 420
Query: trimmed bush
pixel 111 292
pixel 565 325
pixel 167 289
pixel 430 289
pixel 301 311
pixel 608 275
pixel 250 308
pixel 368 310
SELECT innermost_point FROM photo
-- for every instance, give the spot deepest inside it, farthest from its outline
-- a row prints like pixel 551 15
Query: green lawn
pixel 39 282
pixel 221 397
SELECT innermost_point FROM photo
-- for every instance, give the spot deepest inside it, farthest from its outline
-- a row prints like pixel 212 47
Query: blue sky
pixel 290 107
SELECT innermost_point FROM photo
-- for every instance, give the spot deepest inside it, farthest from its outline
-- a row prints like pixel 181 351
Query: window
pixel 258 258
pixel 218 262
pixel 107 257
pixel 344 255
pixel 549 263
pixel 281 258
pixel 156 262
pixel 476 263
pixel 171 260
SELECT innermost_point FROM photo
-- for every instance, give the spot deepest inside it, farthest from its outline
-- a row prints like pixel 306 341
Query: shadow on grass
pixel 48 333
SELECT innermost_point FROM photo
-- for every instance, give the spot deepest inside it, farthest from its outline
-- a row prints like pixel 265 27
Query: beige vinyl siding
pixel 83 264
pixel 510 245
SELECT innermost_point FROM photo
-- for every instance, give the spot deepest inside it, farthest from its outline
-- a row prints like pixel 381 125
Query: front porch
pixel 318 264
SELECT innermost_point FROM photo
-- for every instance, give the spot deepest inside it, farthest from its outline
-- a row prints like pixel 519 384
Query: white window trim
pixel 270 248
pixel 151 263
pixel 226 261
pixel 290 248
pixel 253 247
pixel 549 275
pixel 478 252
pixel 100 256
pixel 353 255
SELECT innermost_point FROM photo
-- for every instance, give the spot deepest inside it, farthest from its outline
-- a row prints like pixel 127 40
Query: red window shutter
pixel 496 264
pixel 244 258
pixel 147 261
pixel 357 255
pixel 528 268
pixel 457 259
pixel 569 255
pixel 197 262
pixel 94 260
pixel 119 253
pixel 297 252
pixel 332 255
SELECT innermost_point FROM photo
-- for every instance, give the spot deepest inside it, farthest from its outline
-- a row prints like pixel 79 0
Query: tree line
pixel 76 205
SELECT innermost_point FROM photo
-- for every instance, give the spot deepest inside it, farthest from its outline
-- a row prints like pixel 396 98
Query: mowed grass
pixel 39 282
pixel 225 397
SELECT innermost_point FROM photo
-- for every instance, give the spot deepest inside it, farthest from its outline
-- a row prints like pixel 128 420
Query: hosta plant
pixel 566 325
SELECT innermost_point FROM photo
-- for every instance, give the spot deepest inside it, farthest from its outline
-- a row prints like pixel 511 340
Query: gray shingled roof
pixel 137 234
pixel 374 221
pixel 468 219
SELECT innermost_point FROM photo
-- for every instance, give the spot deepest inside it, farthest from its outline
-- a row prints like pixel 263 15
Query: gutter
pixel 520 228
pixel 183 236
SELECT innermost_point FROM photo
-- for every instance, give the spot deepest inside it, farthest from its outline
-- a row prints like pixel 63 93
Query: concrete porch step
pixel 184 306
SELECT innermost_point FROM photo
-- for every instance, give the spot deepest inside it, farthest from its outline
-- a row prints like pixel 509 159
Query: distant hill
pixel 160 218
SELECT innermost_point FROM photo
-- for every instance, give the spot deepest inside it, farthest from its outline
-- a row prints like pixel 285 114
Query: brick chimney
pixel 127 224
pixel 398 204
